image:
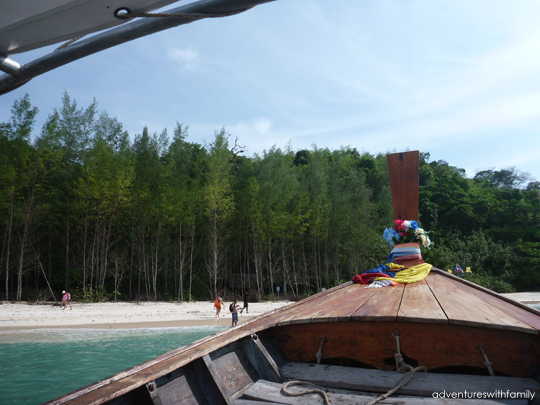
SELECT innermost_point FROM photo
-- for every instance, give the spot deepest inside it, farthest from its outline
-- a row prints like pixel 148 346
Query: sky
pixel 459 79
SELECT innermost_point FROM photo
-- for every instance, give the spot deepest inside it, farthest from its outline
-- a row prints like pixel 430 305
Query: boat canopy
pixel 33 24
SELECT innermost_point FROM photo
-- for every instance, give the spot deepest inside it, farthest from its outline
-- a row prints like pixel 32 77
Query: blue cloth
pixel 401 251
pixel 235 317
pixel 390 233
pixel 382 269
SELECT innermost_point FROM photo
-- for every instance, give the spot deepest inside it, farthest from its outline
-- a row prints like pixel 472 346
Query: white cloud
pixel 189 58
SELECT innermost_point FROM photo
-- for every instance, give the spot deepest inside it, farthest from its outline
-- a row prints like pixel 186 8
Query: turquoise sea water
pixel 40 365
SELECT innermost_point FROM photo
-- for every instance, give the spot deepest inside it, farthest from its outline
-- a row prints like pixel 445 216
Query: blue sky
pixel 458 79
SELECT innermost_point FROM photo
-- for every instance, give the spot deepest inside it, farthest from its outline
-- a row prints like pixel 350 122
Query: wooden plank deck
pixel 267 392
pixel 382 306
pixel 437 299
pixel 463 308
pixel 420 305
pixel 304 313
pixel 423 384
pixel 346 308
pixel 520 311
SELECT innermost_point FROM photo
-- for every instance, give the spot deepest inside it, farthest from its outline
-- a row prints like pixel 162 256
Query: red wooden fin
pixel 404 170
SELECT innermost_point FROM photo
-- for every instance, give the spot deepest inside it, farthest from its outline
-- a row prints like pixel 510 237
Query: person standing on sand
pixel 218 305
pixel 66 299
pixel 234 310
pixel 246 302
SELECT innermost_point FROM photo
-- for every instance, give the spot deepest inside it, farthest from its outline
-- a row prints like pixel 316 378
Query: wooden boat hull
pixel 349 326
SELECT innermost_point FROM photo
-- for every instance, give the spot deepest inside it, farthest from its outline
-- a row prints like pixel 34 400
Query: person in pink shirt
pixel 66 299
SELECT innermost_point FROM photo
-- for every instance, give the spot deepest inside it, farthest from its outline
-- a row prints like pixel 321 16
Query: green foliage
pixel 89 294
pixel 498 284
pixel 173 219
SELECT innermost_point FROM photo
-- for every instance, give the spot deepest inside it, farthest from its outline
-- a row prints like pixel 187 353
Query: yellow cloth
pixel 450 271
pixel 411 275
pixel 393 266
pixel 468 270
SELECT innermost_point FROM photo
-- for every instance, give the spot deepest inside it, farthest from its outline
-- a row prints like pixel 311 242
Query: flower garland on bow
pixel 406 231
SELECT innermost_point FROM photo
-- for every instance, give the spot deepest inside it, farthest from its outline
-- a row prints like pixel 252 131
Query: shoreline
pixel 126 315
pixel 110 315
pixel 224 322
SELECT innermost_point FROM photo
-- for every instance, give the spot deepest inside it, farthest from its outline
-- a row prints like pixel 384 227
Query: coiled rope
pixel 400 366
pixel 305 392
pixel 407 378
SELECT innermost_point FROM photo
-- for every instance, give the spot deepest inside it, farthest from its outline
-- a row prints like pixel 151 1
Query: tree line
pixel 85 208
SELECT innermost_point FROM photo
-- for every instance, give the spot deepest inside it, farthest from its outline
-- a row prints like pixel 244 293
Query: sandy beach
pixel 21 316
pixel 524 297
pixel 110 315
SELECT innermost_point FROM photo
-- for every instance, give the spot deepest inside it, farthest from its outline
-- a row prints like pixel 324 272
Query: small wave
pixel 57 335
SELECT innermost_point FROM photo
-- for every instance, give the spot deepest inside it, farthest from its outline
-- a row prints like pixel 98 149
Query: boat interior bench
pixel 346 385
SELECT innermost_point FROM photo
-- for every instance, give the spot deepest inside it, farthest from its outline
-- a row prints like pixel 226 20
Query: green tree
pixel 218 202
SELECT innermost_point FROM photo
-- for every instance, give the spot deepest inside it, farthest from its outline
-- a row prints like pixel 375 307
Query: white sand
pixel 123 315
pixel 525 297
pixel 144 315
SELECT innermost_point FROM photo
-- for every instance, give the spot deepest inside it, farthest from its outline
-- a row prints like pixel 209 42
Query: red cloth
pixel 410 244
pixel 367 277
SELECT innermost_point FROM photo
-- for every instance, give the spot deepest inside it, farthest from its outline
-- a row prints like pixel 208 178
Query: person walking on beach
pixel 66 299
pixel 246 302
pixel 234 310
pixel 218 305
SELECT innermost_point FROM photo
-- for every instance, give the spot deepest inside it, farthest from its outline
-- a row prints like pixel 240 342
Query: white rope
pixel 305 392
pixel 399 384
pixel 318 355
pixel 400 366
pixel 488 363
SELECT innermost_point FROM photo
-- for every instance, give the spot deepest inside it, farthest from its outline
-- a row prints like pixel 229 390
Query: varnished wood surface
pixel 463 308
pixel 382 306
pixel 403 169
pixel 439 299
pixel 420 305
pixel 433 346
pixel 268 393
pixel 522 312
pixel 423 384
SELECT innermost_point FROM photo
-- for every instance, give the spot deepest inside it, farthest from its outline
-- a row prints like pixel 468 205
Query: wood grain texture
pixel 260 359
pixel 222 386
pixel 264 391
pixel 235 370
pixel 521 312
pixel 463 308
pixel 382 306
pixel 423 384
pixel 420 305
pixel 348 305
pixel 433 346
pixel 403 169
pixel 272 319
pixel 304 313
pixel 462 302
pixel 179 388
